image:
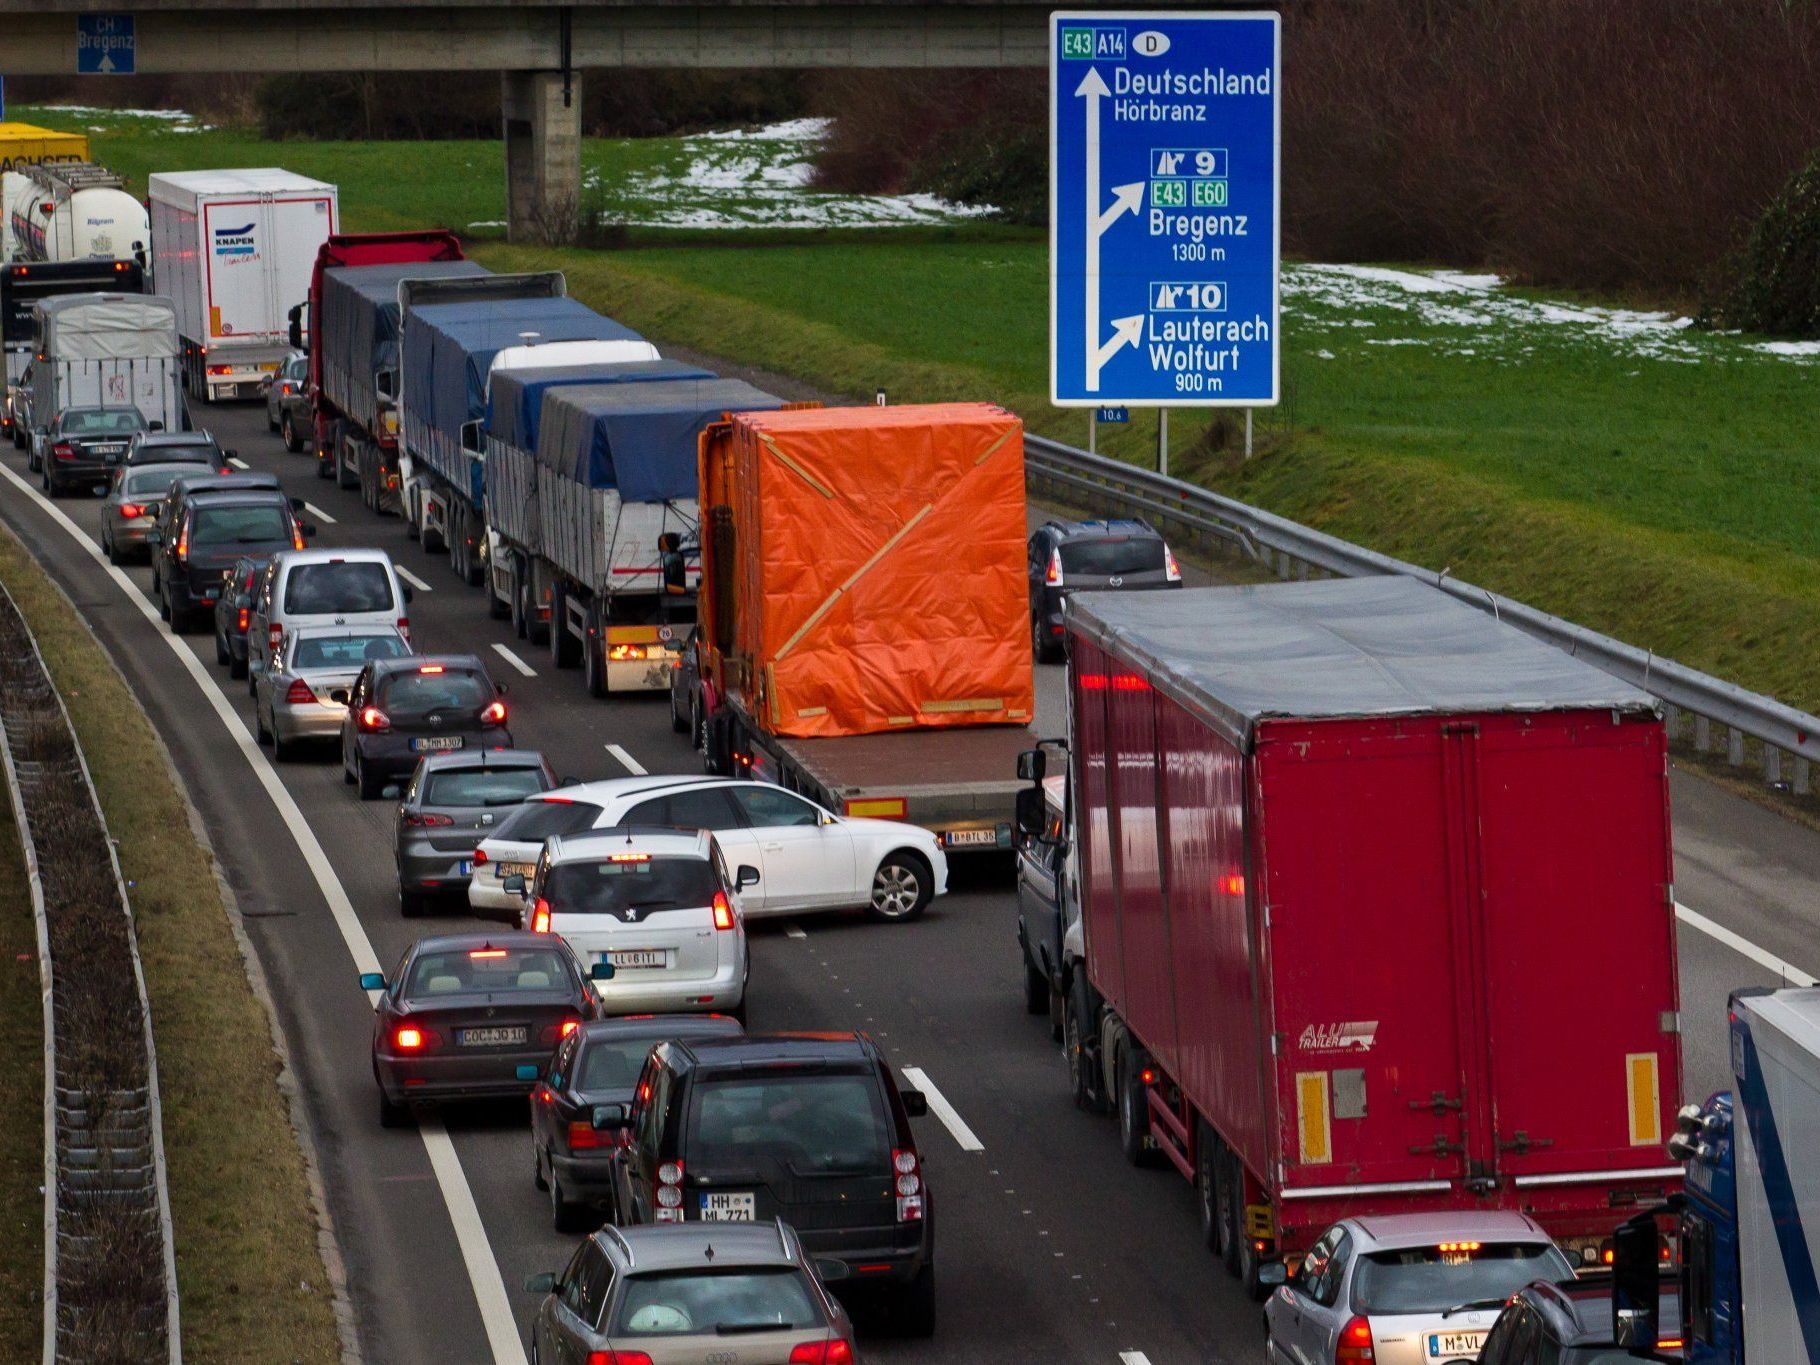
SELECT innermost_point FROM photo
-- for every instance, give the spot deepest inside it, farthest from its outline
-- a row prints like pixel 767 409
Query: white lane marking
pixel 319 514
pixel 794 931
pixel 415 581
pixel 238 463
pixel 632 765
pixel 939 1106
pixel 1738 943
pixel 515 661
pixel 1134 1358
pixel 477 1253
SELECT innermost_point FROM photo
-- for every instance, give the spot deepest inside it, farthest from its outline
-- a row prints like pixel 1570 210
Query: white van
pixel 322 588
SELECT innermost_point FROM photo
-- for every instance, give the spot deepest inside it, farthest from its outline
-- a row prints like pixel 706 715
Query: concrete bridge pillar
pixel 543 156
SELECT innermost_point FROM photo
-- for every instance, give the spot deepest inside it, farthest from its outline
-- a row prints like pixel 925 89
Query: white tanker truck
pixel 70 211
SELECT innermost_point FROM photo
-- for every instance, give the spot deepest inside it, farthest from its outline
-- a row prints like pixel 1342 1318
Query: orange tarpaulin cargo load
pixel 874 562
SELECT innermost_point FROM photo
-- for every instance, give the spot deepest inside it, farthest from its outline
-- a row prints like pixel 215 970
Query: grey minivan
pixel 323 588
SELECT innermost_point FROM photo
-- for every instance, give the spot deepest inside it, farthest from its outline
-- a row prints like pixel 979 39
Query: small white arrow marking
pixel 1125 332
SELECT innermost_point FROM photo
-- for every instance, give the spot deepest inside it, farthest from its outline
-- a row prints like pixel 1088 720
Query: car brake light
pixel 404 628
pixel 670 1173
pixel 296 536
pixel 723 911
pixel 430 668
pixel 129 510
pixel 628 857
pixel 480 857
pixel 1355 1341
pixel 553 1034
pixel 494 714
pixel 1054 577
pixel 1466 1247
pixel 540 916
pixel 488 952
pixel 183 546
pixel 585 1137
pixel 1171 570
pixel 417 821
pixel 822 1353
pixel 63 450
pixel 408 1039
pixel 909 1169
pixel 241 619
pixel 299 694
pixel 372 718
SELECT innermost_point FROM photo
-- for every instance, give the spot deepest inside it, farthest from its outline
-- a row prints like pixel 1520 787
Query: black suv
pixel 1072 556
pixel 84 446
pixel 401 709
pixel 195 548
pixel 805 1127
pixel 1568 1324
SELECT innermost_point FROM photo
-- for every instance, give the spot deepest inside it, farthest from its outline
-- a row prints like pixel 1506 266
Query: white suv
pixel 807 858
pixel 322 588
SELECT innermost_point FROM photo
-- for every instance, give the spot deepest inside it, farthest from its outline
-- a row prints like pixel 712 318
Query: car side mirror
pixel 746 876
pixel 1273 1273
pixel 230 454
pixel 391 792
pixel 916 1103
pixel 406 589
pixel 372 981
pixel 155 426
pixel 470 437
pixel 154 537
pixel 339 694
pixel 1030 812
pixel 544 1283
pixel 600 971
pixel 1032 765
pixel 516 882
pixel 608 1116
pixel 294 332
pixel 308 528
pixel 296 504
pixel 831 1270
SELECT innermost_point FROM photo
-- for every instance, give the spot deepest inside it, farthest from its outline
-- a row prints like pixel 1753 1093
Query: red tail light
pixel 63 450
pixel 296 536
pixel 1054 576
pixel 822 1353
pixel 404 628
pixel 480 857
pixel 553 1034
pixel 585 1137
pixel 908 1168
pixel 274 640
pixel 241 621
pixel 618 1358
pixel 494 714
pixel 723 911
pixel 1171 570
pixel 1355 1342
pixel 129 510
pixel 298 693
pixel 414 1038
pixel 183 546
pixel 417 821
pixel 372 719
pixel 540 916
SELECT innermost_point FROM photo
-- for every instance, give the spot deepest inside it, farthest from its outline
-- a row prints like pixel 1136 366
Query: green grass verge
pixel 21 1110
pixel 251 1280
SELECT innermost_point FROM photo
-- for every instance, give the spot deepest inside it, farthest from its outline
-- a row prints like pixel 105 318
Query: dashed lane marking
pixel 1738 943
pixel 319 514
pixel 794 931
pixel 515 661
pixel 413 579
pixel 632 765
pixel 238 463
pixel 939 1106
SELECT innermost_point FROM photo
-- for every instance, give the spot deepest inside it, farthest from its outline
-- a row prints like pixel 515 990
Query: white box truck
pixel 108 351
pixel 234 250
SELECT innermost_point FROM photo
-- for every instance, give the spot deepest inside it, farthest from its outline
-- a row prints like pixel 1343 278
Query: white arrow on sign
pixel 107 63
pixel 1125 199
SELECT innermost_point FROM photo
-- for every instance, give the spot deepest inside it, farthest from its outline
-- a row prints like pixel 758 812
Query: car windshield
pixel 695 1302
pixel 1429 1279
pixel 157 482
pixel 251 525
pixel 461 971
pixel 176 455
pixel 614 1063
pixel 482 786
pixel 812 1123
pixel 334 587
pixel 346 651
pixel 114 422
pixel 447 689
pixel 536 821
pixel 608 888
pixel 1114 555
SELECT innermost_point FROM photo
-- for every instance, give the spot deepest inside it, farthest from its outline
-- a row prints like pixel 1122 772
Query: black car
pixel 474 1016
pixel 804 1127
pixel 233 609
pixel 179 447
pixel 1568 1324
pixel 573 1133
pixel 1045 900
pixel 401 709
pixel 195 547
pixel 83 447
pixel 454 801
pixel 1101 556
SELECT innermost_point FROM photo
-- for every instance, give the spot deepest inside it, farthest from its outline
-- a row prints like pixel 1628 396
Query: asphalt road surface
pixel 1050 1248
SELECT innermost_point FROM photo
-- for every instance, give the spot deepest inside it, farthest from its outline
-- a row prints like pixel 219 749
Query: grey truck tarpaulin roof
pixel 639 438
pixel 1346 647
pixel 515 401
pixel 108 326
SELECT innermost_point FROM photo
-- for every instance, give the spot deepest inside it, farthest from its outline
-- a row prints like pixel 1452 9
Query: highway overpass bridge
pixel 537 47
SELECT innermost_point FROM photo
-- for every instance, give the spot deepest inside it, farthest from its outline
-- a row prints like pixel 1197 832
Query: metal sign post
pixel 1163 229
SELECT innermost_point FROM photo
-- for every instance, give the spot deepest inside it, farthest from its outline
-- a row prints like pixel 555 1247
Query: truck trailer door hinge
pixel 1439 1147
pixel 1523 1142
pixel 1438 1104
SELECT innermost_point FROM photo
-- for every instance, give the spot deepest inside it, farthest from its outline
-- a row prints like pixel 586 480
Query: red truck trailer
pixel 1377 911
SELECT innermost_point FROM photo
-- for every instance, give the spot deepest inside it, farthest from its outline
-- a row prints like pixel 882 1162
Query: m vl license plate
pixel 1452 1345
pixel 722 1207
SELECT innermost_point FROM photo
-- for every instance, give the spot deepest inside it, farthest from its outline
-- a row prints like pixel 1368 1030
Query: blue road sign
pixel 1163 209
pixel 1113 416
pixel 104 44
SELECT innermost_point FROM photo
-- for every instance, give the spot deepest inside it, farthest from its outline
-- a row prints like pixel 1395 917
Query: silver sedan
pixel 130 508
pixel 287 401
pixel 306 696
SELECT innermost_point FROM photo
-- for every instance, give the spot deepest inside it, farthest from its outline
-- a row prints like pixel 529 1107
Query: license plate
pixel 504 870
pixel 436 743
pixel 637 957
pixel 490 1037
pixel 109 450
pixel 210 594
pixel 718 1207
pixel 974 838
pixel 1450 1345
pixel 467 867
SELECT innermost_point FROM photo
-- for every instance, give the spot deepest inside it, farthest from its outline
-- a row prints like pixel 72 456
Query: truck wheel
pixel 1036 989
pixel 698 724
pixel 563 653
pixel 1083 1066
pixel 901 887
pixel 1229 1192
pixel 1041 649
pixel 594 663
pixel 1134 1111
pixel 1208 1159
pixel 517 582
pixel 343 479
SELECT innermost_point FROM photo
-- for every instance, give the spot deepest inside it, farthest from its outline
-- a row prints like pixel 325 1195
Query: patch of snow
pixel 1325 355
pixel 175 115
pixel 490 223
pixel 1788 348
pixel 795 130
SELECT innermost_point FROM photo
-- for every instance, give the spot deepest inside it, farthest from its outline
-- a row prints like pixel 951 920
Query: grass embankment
pixel 251 1280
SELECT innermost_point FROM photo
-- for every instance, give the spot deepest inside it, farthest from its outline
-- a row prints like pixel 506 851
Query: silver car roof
pixel 685 1246
pixel 1385 1232
pixel 600 843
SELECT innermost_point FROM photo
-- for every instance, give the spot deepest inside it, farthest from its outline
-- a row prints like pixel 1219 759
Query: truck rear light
pixel 299 694
pixel 625 653
pixel 63 450
pixel 1054 576
pixel 723 911
pixel 585 1137
pixel 876 807
pixel 540 917
pixel 1171 570
pixel 909 1170
pixel 1355 1342
pixel 221 369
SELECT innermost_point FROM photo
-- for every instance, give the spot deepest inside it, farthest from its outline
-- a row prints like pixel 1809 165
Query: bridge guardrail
pixel 1292 550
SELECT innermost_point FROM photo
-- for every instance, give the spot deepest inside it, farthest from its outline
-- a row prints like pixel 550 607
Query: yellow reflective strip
pixel 1312 1117
pixel 964 704
pixel 631 635
pixel 802 712
pixel 878 807
pixel 1642 1081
